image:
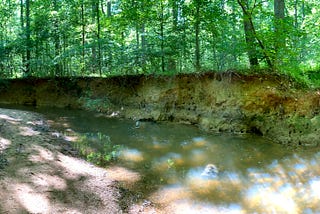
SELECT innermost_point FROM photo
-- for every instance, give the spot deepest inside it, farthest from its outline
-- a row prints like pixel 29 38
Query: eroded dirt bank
pixel 270 106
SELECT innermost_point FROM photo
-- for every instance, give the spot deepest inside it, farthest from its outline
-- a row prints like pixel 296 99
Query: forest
pixel 52 38
pixel 180 106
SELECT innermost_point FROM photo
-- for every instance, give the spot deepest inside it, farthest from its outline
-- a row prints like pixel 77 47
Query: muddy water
pixel 253 174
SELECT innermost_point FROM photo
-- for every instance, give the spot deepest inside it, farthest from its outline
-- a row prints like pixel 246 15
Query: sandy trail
pixel 37 177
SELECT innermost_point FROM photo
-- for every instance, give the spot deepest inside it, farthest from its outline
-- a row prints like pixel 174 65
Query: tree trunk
pixel 23 57
pixel 143 44
pixel 279 39
pixel 197 34
pixel 109 9
pixel 296 14
pixel 172 65
pixel 252 38
pixel 83 39
pixel 98 37
pixel 137 44
pixel 162 36
pixel 57 40
pixel 28 39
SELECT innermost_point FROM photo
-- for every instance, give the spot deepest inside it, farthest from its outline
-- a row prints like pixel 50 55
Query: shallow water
pixel 168 161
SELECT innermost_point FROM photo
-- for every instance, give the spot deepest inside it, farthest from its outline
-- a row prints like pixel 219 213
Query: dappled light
pixel 32 201
pixel 28 131
pixel 4 143
pixel 37 178
pixel 42 155
pixel 49 181
pixel 9 119
pixel 156 170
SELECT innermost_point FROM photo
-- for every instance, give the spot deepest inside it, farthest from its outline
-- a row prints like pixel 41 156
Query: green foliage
pixel 170 163
pixel 101 38
pixel 97 148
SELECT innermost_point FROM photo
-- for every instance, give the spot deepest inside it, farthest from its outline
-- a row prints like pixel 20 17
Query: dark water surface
pixel 255 175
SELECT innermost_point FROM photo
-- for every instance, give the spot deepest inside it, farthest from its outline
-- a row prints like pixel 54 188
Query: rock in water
pixel 210 172
pixel 138 123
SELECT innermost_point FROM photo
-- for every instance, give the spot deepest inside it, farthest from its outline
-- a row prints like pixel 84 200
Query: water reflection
pixel 168 160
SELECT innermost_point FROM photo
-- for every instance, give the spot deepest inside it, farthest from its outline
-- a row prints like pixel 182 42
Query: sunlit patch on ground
pixel 40 179
pixel 70 135
pixel 4 143
pixel 71 138
pixel 31 200
pixel 42 155
pixel 28 131
pixel 9 118
pixel 49 181
pixel 75 167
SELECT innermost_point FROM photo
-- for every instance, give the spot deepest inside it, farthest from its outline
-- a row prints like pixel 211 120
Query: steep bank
pixel 270 106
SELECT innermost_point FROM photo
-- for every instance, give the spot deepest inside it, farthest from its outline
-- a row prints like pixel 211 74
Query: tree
pixel 94 37
pixel 198 6
pixel 28 39
pixel 252 40
pixel 279 26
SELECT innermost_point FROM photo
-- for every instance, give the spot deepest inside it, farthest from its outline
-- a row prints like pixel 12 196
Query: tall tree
pixel 162 20
pixel 279 26
pixel 198 5
pixel 56 35
pixel 98 36
pixel 252 40
pixel 28 39
pixel 23 54
pixel 83 37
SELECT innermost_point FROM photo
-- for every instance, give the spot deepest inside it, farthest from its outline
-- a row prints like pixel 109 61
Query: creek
pixel 166 163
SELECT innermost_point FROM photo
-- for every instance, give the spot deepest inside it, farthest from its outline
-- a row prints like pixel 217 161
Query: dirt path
pixel 36 177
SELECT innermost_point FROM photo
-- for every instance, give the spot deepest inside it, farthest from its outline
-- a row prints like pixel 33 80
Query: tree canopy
pixel 100 38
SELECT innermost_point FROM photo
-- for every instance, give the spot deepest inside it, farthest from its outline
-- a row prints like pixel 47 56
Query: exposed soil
pixel 269 105
pixel 39 173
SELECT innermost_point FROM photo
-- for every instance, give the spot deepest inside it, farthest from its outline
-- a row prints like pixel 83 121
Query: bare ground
pixel 39 173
